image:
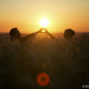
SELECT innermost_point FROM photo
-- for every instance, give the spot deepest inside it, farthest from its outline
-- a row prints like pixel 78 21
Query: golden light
pixel 44 22
pixel 43 31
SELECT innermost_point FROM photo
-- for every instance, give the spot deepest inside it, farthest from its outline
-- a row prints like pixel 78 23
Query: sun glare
pixel 43 31
pixel 44 22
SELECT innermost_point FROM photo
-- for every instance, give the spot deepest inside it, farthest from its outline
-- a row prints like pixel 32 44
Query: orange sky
pixel 62 14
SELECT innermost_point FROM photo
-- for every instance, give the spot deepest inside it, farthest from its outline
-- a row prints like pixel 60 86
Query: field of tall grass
pixel 66 62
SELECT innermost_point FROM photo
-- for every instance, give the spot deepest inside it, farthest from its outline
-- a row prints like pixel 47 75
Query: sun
pixel 44 22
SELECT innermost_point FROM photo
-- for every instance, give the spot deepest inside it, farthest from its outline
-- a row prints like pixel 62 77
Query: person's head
pixel 14 34
pixel 68 34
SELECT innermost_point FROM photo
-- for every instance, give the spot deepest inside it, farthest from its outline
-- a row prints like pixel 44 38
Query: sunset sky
pixel 62 14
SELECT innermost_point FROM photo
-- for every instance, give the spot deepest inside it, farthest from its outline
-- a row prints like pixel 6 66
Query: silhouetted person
pixel 68 34
pixel 15 34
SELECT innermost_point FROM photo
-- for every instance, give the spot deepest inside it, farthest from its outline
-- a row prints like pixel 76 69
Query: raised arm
pixel 23 39
pixel 50 34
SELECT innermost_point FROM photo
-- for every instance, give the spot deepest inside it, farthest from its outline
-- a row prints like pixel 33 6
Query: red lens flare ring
pixel 43 79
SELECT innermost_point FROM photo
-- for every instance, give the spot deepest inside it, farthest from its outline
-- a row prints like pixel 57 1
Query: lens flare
pixel 43 79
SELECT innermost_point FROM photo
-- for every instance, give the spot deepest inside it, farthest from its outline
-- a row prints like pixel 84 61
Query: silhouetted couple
pixel 15 34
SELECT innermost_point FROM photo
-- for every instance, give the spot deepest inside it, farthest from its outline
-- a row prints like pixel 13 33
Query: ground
pixel 65 61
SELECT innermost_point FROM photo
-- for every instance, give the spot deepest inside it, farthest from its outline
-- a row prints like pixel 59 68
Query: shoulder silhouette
pixel 68 34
